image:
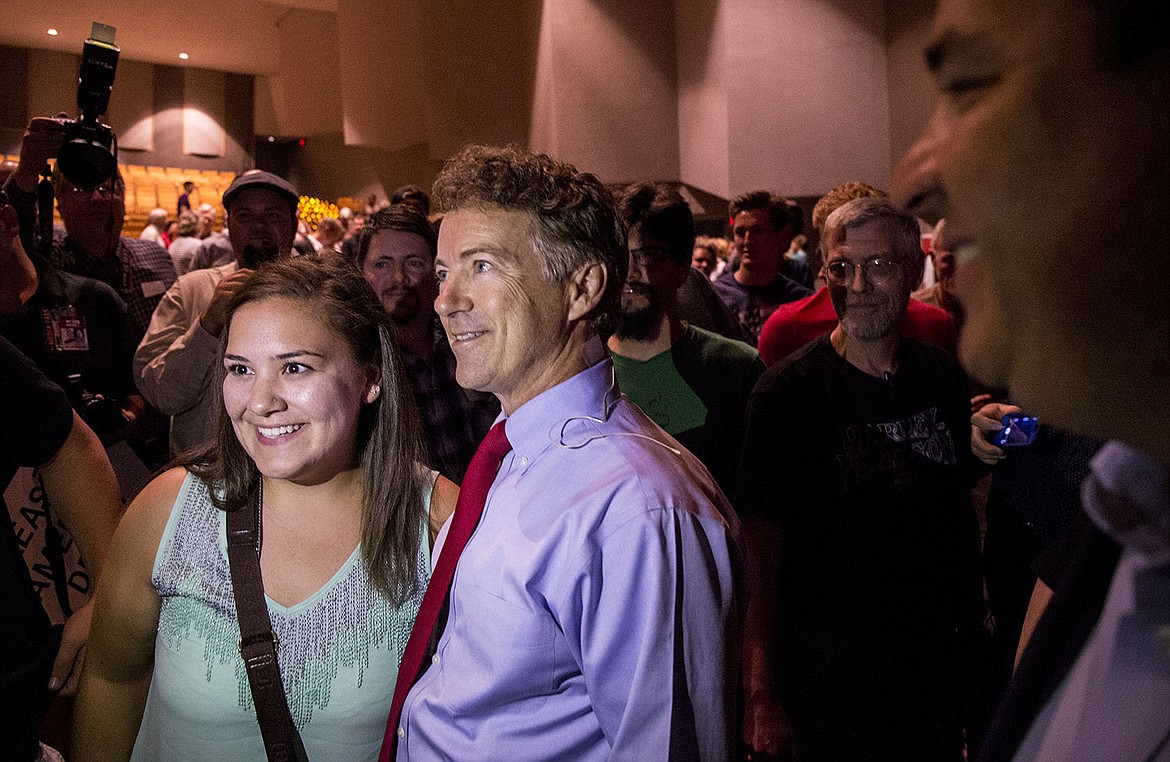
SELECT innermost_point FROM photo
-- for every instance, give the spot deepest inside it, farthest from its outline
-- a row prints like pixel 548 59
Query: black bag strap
pixel 258 643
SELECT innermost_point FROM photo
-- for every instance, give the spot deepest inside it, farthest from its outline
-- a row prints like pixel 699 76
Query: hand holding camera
pixel 84 147
pixel 42 141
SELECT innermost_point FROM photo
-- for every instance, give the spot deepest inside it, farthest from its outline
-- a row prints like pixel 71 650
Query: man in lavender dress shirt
pixel 595 613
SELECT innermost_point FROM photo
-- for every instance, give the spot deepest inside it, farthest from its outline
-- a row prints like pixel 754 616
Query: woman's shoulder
pixel 141 528
pixel 163 488
pixel 152 507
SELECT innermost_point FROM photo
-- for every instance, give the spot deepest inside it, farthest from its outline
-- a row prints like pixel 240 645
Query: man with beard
pixel 174 363
pixel 396 254
pixel 795 324
pixel 862 545
pixel 692 382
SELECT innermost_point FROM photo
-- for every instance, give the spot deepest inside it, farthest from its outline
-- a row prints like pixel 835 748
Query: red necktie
pixel 481 472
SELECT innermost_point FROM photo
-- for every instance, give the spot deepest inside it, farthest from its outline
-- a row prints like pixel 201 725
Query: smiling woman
pixel 294 392
pixel 317 433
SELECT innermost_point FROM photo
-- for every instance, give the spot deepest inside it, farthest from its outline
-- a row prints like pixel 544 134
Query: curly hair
pixel 389 443
pixel 839 195
pixel 574 220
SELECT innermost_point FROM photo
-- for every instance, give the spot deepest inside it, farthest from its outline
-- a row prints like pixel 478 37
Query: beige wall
pixel 606 97
pixel 808 106
pixel 305 97
pixel 911 90
pixel 479 73
pixel 729 95
pixel 704 134
pixel 381 76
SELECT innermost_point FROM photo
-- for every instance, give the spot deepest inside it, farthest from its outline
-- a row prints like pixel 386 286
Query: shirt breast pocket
pixel 505 621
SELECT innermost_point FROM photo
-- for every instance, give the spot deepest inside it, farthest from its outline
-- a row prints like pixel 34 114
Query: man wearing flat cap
pixel 173 365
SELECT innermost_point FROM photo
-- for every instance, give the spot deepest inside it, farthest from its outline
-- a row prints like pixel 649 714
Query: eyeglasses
pixel 650 254
pixel 877 270
pixel 104 192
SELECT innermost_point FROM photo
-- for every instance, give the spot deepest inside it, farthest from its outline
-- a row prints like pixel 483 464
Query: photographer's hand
pixel 42 139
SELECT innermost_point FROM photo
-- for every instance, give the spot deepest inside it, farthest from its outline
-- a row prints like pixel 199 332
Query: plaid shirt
pixel 141 273
pixel 455 420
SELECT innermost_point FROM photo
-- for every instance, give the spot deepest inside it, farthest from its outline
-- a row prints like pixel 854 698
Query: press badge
pixel 153 288
pixel 65 329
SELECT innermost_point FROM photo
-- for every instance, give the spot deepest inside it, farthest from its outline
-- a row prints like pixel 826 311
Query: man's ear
pixel 586 288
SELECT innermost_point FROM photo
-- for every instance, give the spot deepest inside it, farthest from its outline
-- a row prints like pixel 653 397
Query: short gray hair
pixel 906 240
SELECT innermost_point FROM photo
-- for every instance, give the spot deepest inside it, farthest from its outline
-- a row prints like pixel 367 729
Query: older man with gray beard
pixel 854 488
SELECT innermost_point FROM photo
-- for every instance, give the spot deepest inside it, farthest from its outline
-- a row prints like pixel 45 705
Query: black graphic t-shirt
pixel 869 481
pixel 37 421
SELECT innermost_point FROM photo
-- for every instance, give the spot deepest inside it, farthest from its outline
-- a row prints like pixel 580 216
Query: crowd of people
pixel 540 474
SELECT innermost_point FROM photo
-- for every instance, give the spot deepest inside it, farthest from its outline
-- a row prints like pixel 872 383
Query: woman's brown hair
pixel 389 444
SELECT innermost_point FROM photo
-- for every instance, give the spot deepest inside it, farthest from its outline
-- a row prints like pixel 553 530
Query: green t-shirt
pixel 697 391
pixel 656 386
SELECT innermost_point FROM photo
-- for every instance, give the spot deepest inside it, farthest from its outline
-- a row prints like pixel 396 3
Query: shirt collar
pixel 556 417
pixel 1127 495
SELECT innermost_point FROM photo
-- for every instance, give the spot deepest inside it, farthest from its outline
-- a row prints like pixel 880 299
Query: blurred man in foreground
pixel 1052 131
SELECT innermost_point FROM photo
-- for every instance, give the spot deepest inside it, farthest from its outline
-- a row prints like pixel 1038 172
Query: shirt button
pixel 402 732
pixel 435 659
pixel 524 461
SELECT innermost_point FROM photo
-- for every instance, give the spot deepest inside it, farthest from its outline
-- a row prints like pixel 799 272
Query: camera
pixel 86 158
pixel 102 414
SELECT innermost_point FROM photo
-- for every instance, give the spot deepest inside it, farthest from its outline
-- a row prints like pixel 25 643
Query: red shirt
pixel 797 323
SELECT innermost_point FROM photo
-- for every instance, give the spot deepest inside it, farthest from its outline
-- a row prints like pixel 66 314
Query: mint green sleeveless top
pixel 339 650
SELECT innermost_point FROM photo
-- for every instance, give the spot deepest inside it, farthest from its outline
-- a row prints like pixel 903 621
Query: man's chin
pixel 401 314
pixel 983 356
pixel 984 349
pixel 256 253
pixel 637 324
